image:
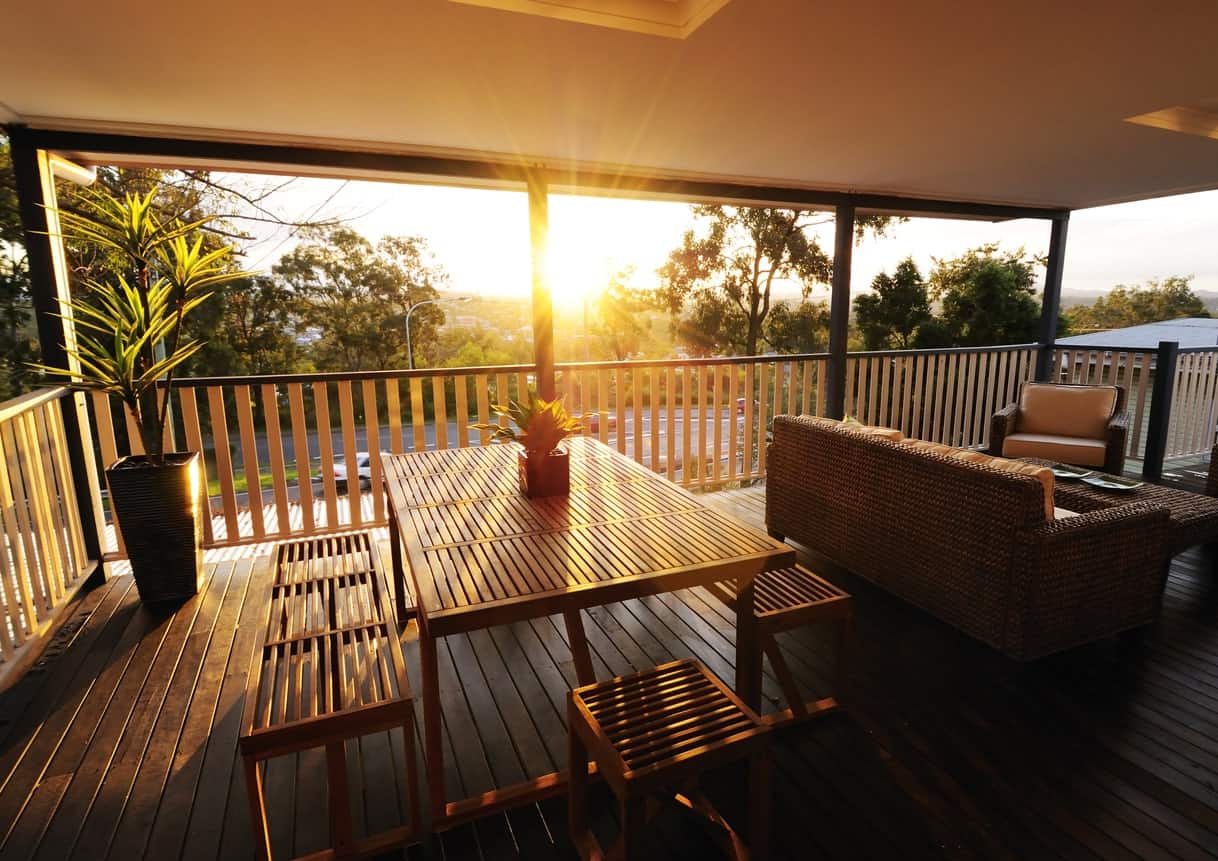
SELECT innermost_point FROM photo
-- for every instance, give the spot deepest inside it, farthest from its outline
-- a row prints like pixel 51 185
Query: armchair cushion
pixel 1066 411
pixel 1066 449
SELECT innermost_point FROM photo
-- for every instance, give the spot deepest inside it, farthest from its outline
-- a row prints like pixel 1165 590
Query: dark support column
pixel 543 311
pixel 839 313
pixel 1160 410
pixel 1050 307
pixel 49 289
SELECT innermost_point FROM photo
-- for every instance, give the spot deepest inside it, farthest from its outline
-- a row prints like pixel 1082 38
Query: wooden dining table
pixel 479 553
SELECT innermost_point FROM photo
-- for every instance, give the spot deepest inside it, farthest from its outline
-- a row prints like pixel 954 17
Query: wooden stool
pixel 331 669
pixel 651 734
pixel 786 599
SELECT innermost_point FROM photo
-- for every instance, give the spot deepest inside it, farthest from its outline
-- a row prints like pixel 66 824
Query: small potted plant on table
pixel 129 342
pixel 539 426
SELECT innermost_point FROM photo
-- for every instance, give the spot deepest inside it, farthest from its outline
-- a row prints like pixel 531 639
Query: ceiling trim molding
pixel 404 166
pixel 675 19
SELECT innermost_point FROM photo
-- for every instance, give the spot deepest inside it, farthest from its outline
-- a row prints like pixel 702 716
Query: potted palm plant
pixel 129 343
pixel 539 426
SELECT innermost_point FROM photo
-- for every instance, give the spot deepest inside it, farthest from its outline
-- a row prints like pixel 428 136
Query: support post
pixel 543 310
pixel 1160 410
pixel 50 294
pixel 839 313
pixel 1050 306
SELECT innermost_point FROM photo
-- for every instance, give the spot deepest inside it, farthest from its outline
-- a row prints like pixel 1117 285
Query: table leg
pixel 433 745
pixel 748 648
pixel 579 647
pixel 399 569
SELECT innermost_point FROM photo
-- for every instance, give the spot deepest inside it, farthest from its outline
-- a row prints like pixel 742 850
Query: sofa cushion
pixel 853 424
pixel 1070 411
pixel 1042 474
pixel 1066 449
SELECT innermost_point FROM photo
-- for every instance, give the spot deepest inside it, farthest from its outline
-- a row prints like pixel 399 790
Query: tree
pixel 17 345
pixel 357 295
pixel 898 305
pixel 988 297
pixel 727 273
pixel 1133 305
pixel 618 322
pixel 252 323
pixel 802 329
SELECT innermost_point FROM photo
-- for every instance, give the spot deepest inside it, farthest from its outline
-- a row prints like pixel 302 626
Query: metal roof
pixel 1187 331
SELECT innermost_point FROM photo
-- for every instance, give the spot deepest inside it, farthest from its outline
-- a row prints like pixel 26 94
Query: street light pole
pixel 411 310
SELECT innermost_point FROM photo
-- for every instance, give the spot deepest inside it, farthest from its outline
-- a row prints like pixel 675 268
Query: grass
pixel 241 484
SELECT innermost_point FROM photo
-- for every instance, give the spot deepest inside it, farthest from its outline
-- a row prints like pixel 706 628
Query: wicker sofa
pixel 968 542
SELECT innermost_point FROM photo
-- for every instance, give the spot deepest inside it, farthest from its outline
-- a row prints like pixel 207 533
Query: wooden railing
pixel 42 549
pixel 947 396
pixel 701 422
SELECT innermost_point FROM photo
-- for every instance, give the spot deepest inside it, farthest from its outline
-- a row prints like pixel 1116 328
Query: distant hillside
pixel 1074 298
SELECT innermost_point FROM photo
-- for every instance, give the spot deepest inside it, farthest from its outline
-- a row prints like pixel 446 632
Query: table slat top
pixel 475 543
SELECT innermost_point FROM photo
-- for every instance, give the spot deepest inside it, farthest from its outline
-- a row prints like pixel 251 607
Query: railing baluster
pixel 763 389
pixel 461 406
pixel 733 383
pixel 636 411
pixel 418 419
pixel 346 414
pixel 393 406
pixel 249 459
pixel 224 464
pixel 325 450
pixel 670 412
pixel 482 393
pixel 67 490
pixel 194 442
pixel 687 399
pixel 60 551
pixel 655 378
pixel 746 456
pixel 17 533
pixel 302 457
pixel 274 442
pixel 439 408
pixel 603 412
pixel 372 431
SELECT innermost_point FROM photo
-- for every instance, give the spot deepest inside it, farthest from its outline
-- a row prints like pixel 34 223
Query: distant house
pixel 1187 331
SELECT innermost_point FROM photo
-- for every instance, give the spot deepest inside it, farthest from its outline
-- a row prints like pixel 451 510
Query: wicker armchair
pixel 1038 441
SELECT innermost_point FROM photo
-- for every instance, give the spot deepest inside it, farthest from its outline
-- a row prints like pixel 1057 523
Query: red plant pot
pixel 546 475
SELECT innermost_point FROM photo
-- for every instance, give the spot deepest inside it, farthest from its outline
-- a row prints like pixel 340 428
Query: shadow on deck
pixel 122 741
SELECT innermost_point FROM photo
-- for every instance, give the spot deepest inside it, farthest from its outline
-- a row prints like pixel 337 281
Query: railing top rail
pixel 1213 349
pixel 12 408
pixel 941 351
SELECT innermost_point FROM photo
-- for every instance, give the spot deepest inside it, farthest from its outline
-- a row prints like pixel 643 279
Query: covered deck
pixel 121 741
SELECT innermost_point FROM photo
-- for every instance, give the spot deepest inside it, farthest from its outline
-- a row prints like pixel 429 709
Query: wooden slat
pixel 325 451
pixel 301 456
pixel 393 406
pixel 763 409
pixel 733 435
pixel 249 458
pixel 418 419
pixel 194 442
pixel 461 405
pixel 439 403
pixel 372 428
pixel 224 464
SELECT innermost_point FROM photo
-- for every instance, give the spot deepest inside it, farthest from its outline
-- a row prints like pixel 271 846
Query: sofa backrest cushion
pixel 1076 411
pixel 855 425
pixel 1042 474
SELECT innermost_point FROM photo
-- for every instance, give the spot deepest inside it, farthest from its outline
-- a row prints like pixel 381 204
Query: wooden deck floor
pixel 122 742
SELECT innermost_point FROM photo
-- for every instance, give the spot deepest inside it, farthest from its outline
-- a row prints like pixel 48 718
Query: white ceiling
pixel 1017 103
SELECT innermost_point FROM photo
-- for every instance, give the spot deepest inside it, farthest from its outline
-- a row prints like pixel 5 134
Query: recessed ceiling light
pixel 673 18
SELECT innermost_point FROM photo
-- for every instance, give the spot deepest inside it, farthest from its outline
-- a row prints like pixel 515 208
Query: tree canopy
pixel 722 277
pixel 897 306
pixel 356 295
pixel 1168 299
pixel 988 297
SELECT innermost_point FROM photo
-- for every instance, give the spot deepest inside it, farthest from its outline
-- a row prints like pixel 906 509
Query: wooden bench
pixel 331 669
pixel 789 598
pixel 652 734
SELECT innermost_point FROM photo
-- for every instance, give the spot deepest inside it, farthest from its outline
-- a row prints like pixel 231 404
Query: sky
pixel 481 238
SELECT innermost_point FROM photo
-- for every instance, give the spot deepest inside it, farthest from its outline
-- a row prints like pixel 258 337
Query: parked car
pixel 363 468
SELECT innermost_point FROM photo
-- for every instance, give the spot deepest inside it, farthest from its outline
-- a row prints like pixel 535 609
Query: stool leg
pixel 634 821
pixel 341 835
pixel 759 805
pixel 845 629
pixel 253 790
pixel 412 774
pixel 577 789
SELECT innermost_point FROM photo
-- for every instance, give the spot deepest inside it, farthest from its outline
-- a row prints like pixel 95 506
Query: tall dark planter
pixel 161 518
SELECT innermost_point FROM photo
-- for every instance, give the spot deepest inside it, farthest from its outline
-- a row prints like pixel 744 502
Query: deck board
pixel 122 740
